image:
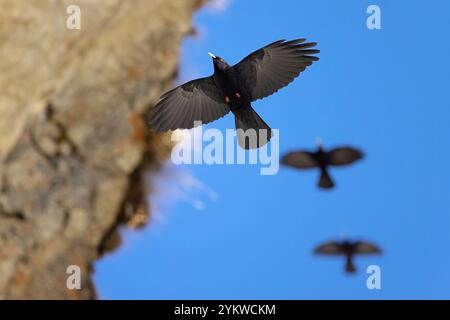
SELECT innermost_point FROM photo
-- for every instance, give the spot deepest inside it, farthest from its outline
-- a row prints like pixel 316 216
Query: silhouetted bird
pixel 322 159
pixel 348 249
pixel 233 88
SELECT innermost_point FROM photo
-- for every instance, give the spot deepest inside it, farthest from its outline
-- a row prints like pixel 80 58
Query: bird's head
pixel 219 63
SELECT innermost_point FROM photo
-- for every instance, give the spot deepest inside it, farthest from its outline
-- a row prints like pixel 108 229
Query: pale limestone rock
pixel 74 140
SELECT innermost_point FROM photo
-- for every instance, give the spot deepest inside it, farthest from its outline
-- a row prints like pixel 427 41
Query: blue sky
pixel 385 91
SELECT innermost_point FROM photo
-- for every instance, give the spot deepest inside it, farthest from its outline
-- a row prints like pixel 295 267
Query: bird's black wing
pixel 362 247
pixel 299 159
pixel 197 100
pixel 332 247
pixel 274 66
pixel 343 156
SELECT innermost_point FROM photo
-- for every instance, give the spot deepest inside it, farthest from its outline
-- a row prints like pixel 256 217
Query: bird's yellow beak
pixel 211 55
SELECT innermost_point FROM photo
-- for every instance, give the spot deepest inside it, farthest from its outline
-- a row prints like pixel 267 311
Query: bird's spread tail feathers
pixel 325 181
pixel 252 132
pixel 349 266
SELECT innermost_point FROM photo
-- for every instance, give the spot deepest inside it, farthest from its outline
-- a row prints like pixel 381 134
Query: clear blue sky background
pixel 385 91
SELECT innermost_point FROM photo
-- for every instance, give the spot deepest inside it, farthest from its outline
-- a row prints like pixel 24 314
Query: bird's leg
pixel 238 94
pixel 227 100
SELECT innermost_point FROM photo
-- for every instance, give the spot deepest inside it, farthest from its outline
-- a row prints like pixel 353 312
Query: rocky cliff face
pixel 74 141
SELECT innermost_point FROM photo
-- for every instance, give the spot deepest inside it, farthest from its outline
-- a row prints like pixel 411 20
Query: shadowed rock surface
pixel 74 142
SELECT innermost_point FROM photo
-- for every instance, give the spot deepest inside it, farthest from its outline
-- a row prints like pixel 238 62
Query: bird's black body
pixel 234 88
pixel 348 249
pixel 227 78
pixel 322 160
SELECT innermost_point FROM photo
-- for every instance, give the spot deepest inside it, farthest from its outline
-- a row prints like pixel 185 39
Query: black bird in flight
pixel 348 249
pixel 322 159
pixel 233 88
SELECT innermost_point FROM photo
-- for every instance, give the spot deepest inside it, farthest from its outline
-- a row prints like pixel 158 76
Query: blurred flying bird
pixel 348 249
pixel 322 159
pixel 233 88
